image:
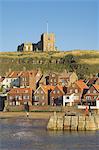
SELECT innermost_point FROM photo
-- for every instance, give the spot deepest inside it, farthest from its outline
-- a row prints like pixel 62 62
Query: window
pixel 76 90
pixel 20 97
pixel 88 91
pixel 17 103
pixel 51 80
pixel 26 91
pixel 25 97
pixel 63 81
pixel 41 92
pixel 94 91
pixel 71 90
pixel 10 103
pixel 13 103
pixel 16 97
pixel 49 38
pixel 53 75
pixel 36 98
pixel 88 97
pixel 54 80
pixel 95 97
pixel 10 97
pixel 54 83
pixel 54 91
pixel 58 91
pixel 52 98
pixel 37 92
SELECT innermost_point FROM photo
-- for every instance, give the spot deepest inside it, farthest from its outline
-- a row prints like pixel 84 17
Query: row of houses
pixel 64 88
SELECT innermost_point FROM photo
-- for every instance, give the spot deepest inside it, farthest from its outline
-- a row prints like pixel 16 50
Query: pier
pixel 73 123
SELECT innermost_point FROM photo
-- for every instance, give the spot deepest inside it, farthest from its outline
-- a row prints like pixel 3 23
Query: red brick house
pixel 92 94
pixel 56 95
pixel 78 88
pixel 28 79
pixel 42 95
pixel 20 96
pixel 53 79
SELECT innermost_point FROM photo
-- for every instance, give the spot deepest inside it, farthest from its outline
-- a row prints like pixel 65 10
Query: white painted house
pixel 91 107
pixel 69 99
pixel 12 79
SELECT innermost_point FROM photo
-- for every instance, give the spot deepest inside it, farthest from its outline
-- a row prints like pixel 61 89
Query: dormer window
pixel 89 92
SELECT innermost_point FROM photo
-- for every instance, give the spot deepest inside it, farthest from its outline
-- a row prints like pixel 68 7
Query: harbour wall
pixel 73 123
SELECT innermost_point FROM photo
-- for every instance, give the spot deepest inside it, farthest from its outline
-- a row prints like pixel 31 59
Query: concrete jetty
pixel 73 123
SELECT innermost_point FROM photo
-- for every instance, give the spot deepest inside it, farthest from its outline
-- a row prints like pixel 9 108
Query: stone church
pixel 46 43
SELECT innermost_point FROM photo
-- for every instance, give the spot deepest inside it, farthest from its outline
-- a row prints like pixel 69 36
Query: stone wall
pixel 73 123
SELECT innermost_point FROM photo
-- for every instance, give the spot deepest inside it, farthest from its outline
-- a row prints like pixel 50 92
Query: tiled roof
pixel 59 87
pixel 47 87
pixel 96 87
pixel 1 79
pixel 28 73
pixel 13 74
pixel 92 81
pixel 20 90
pixel 81 85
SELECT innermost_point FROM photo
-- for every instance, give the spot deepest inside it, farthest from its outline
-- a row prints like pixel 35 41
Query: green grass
pixel 86 60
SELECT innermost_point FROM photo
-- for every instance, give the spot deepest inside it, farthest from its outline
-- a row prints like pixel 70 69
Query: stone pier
pixel 73 123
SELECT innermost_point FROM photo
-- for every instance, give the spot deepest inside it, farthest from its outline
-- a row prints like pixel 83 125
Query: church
pixel 46 43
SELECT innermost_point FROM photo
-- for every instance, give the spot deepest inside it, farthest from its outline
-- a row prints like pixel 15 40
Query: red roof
pixel 96 87
pixel 47 87
pixel 20 90
pixel 1 79
pixel 13 74
pixel 59 87
pixel 81 85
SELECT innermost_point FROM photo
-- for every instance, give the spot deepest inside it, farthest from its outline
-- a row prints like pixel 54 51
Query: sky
pixel 75 23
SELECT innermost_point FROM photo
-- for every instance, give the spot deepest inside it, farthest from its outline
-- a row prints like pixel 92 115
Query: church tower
pixel 48 41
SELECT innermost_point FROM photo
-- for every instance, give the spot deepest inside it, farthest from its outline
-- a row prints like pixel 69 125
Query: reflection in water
pixel 31 134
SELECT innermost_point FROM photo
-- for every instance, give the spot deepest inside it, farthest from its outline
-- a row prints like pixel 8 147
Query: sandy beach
pixel 34 115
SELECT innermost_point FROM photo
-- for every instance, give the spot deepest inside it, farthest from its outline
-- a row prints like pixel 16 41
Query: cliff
pixel 84 62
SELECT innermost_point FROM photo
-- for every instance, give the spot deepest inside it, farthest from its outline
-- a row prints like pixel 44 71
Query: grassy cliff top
pixel 87 61
pixel 58 54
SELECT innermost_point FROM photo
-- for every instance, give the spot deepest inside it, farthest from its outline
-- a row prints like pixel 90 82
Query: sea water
pixel 31 134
